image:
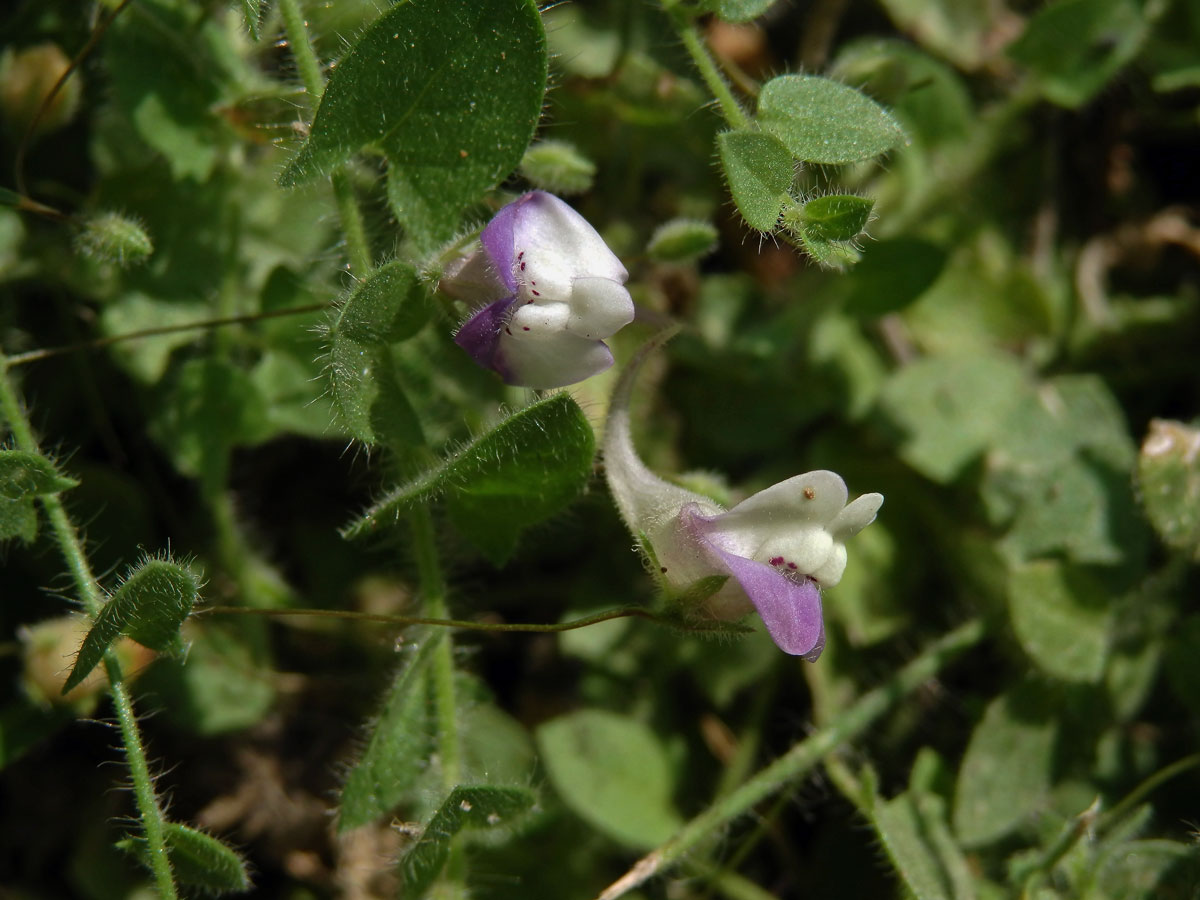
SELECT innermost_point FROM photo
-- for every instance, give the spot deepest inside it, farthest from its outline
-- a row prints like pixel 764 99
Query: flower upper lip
pixel 557 292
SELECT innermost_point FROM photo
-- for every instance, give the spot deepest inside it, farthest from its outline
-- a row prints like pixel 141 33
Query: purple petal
pixel 791 610
pixel 480 334
pixel 500 242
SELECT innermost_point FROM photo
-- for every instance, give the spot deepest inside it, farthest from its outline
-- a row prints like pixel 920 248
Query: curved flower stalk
pixel 779 547
pixel 552 292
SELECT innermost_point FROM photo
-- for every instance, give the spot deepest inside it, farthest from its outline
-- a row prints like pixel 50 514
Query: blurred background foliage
pixel 1012 363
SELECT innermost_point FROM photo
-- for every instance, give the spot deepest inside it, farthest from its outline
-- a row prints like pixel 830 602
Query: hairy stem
pixel 358 249
pixel 92 598
pixel 801 758
pixel 433 592
pixel 694 44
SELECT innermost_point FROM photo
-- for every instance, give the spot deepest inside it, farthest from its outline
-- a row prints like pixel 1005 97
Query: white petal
pixel 857 516
pixel 556 245
pixel 551 361
pixel 536 321
pixel 803 549
pixel 600 307
pixel 813 498
pixel 830 572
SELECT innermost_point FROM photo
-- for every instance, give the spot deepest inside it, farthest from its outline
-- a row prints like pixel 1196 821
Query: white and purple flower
pixel 552 292
pixel 779 546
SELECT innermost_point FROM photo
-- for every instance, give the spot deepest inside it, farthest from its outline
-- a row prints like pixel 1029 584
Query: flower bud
pixel 26 77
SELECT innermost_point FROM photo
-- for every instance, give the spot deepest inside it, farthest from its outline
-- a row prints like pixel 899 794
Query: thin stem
pixel 801 758
pixel 92 597
pixel 296 28
pixel 358 249
pixel 1152 783
pixel 27 138
pixel 462 624
pixel 20 359
pixel 694 44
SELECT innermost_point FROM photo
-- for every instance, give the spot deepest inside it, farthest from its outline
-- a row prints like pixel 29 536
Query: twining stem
pixel 92 597
pixel 694 44
pixel 358 249
pixel 801 758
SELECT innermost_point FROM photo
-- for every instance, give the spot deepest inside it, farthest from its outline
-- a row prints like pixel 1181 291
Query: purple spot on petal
pixel 777 560
pixel 791 565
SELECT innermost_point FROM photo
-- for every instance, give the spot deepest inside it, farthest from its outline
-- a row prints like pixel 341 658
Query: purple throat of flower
pixel 788 603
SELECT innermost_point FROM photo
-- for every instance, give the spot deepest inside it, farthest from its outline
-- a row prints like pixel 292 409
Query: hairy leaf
pixel 450 94
pixel 398 748
pixel 149 606
pixel 484 807
pixel 759 170
pixel 519 473
pixel 24 474
pixel 391 305
pixel 825 121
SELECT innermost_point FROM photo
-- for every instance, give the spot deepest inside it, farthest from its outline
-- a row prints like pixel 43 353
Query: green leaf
pixel 483 807
pixel 519 473
pixel 958 30
pixel 951 409
pixel 1062 618
pixel 24 474
pixel 838 217
pixel 613 772
pixel 1005 774
pixel 201 860
pixel 396 753
pixel 198 860
pixel 391 305
pixel 893 274
pixel 1075 46
pixel 18 519
pixel 1168 476
pixel 147 358
pixel 449 94
pixel 838 255
pixel 167 76
pixel 913 830
pixel 1148 870
pixel 760 171
pixel 224 686
pixel 737 10
pixel 209 407
pixel 149 606
pixel 825 121
pixel 682 240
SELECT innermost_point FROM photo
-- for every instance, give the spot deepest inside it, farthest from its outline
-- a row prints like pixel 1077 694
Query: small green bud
pixel 824 227
pixel 558 167
pixel 682 240
pixel 112 237
pixel 26 77
pixel 838 217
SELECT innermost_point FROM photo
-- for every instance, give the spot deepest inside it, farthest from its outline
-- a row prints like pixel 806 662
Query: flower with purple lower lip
pixel 552 292
pixel 779 547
